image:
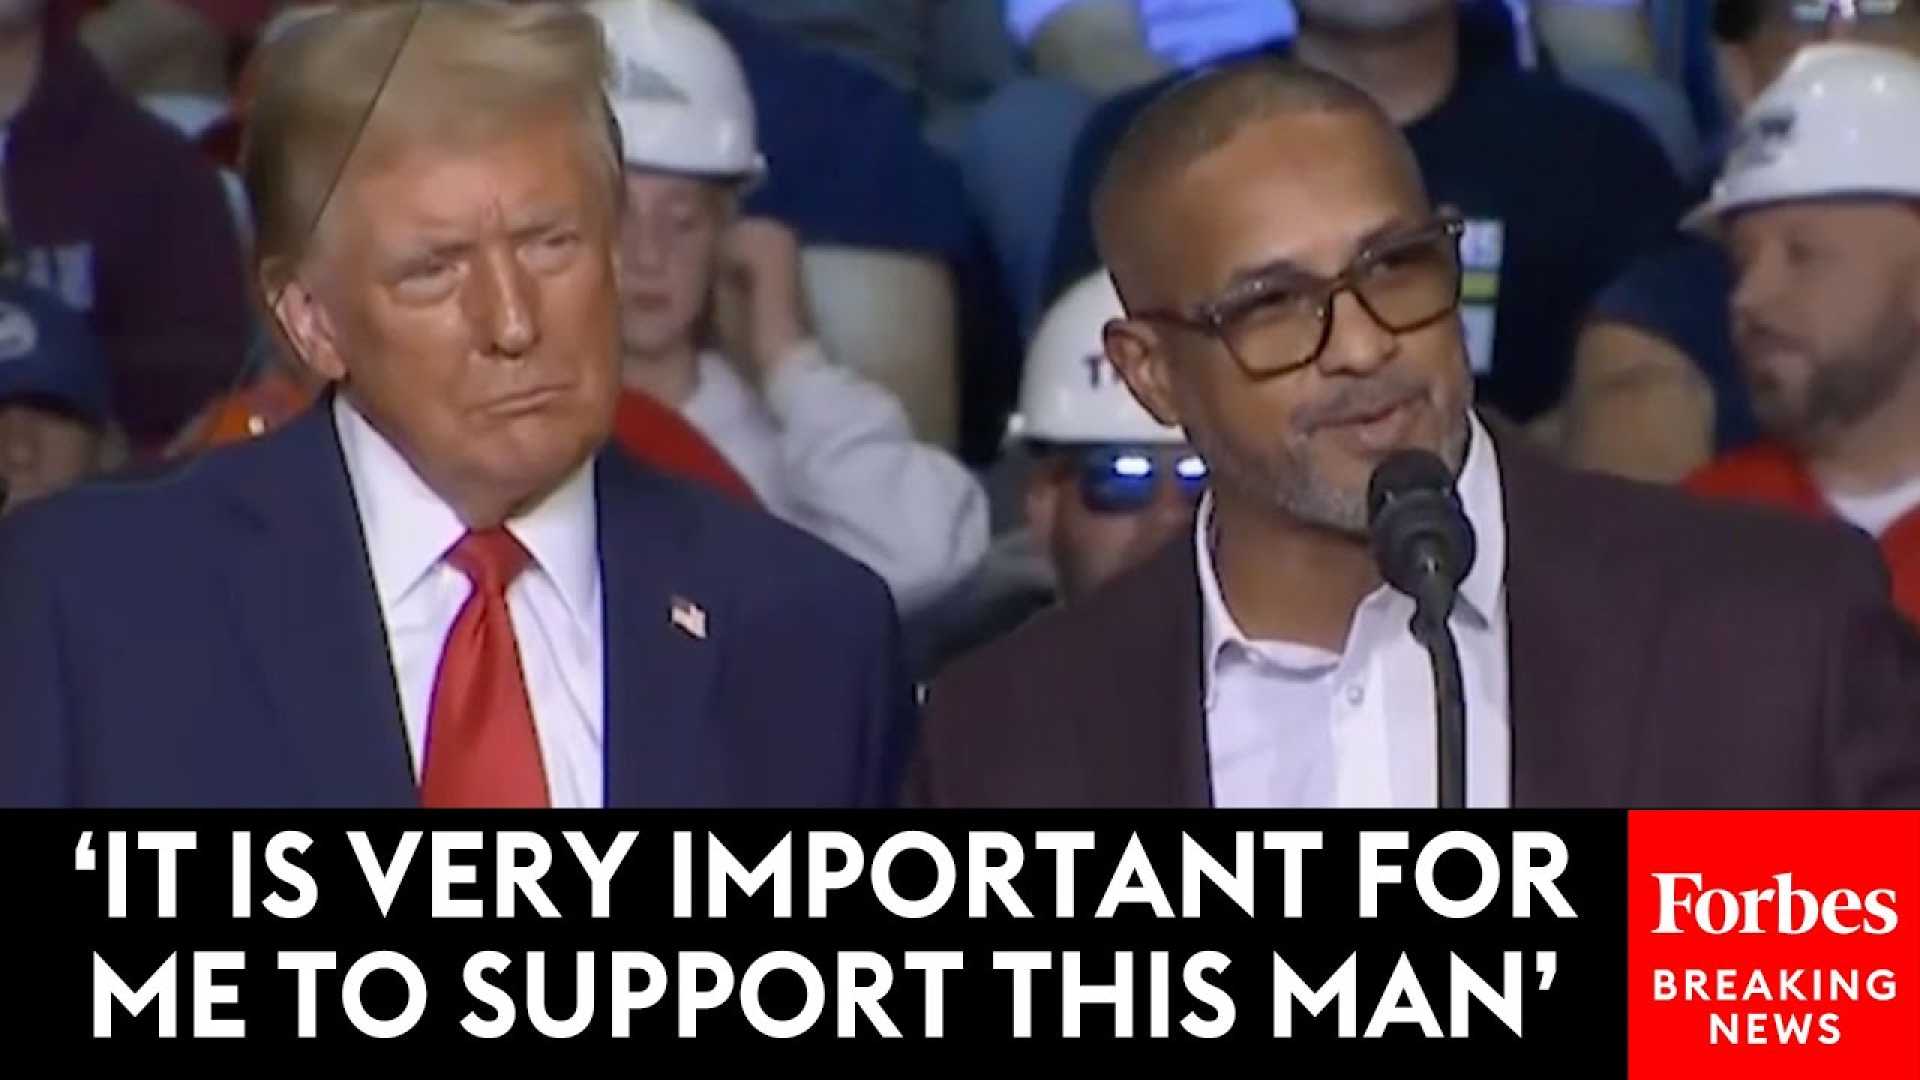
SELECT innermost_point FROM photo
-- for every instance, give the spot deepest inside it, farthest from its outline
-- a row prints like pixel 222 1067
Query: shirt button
pixel 1356 694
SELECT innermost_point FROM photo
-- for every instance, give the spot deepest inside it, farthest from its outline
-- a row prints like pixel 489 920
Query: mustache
pixel 1755 336
pixel 1362 399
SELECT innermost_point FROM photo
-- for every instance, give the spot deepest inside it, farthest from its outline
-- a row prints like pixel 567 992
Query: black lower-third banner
pixel 1476 939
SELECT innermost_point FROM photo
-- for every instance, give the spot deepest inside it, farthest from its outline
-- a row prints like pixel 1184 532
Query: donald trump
pixel 439 587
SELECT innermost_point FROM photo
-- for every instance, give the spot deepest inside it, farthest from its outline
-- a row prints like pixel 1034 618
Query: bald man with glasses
pixel 1291 299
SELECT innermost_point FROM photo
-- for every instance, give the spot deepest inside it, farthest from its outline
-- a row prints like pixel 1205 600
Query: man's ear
pixel 1139 354
pixel 304 322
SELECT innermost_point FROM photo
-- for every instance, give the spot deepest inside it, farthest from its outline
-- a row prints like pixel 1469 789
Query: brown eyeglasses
pixel 1280 321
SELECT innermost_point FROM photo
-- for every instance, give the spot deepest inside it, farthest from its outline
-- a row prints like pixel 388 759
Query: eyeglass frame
pixel 1214 319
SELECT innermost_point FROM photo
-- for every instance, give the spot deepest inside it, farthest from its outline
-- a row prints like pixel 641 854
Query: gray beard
pixel 1295 489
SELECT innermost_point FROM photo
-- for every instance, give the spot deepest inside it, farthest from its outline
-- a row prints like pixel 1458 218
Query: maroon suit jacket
pixel 1664 652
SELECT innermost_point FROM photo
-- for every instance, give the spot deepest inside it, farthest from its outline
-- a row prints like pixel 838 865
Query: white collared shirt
pixel 555 603
pixel 1290 725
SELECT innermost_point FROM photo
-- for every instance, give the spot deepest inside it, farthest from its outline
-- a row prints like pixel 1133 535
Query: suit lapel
pixel 301 593
pixel 1143 741
pixel 659 670
pixel 1580 636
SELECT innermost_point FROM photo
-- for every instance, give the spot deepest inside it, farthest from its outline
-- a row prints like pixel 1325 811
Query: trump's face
pixel 464 298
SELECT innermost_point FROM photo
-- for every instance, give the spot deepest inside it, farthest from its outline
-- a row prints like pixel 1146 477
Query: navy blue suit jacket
pixel 212 638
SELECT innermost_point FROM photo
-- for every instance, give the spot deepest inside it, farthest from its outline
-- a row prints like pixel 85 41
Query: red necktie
pixel 481 747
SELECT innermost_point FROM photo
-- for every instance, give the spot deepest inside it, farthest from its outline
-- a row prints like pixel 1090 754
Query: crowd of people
pixel 977 372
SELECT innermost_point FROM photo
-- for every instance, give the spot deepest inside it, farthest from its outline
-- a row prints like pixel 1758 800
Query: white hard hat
pixel 1844 119
pixel 1070 392
pixel 678 91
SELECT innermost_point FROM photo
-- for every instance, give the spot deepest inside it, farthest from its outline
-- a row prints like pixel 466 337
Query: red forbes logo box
pixel 1773 944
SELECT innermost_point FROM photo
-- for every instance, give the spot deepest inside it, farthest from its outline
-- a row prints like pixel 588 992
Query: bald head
pixel 1204 113
pixel 1226 210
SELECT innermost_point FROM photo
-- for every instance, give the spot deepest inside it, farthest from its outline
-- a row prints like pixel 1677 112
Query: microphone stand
pixel 1423 545
pixel 1430 629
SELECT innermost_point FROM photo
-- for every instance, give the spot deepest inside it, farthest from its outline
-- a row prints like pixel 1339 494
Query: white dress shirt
pixel 1290 725
pixel 555 603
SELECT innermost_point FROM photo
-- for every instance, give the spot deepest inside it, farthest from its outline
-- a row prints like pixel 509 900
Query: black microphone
pixel 1424 546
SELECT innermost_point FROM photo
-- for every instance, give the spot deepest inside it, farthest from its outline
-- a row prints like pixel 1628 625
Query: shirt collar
pixel 409 528
pixel 1480 593
pixel 562 533
pixel 1482 498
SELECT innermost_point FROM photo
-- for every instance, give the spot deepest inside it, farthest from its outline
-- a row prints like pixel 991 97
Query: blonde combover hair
pixel 344 88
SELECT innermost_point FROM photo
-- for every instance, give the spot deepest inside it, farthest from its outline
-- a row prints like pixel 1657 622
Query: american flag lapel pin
pixel 690 617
